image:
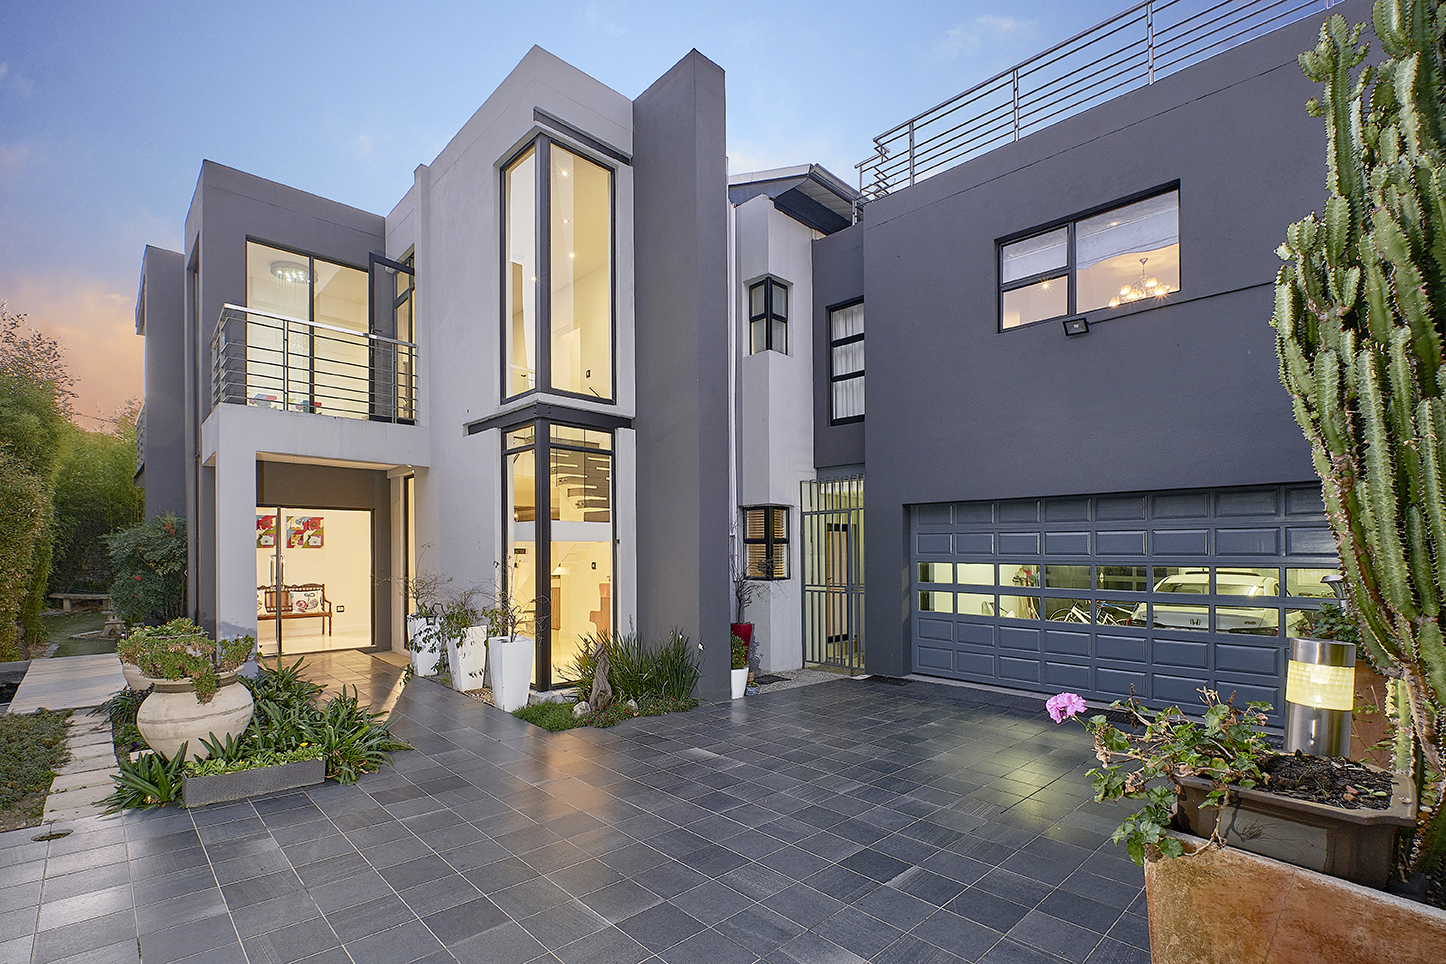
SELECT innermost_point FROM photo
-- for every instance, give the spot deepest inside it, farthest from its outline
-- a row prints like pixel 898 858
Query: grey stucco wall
pixel 681 231
pixel 838 277
pixel 228 207
pixel 163 293
pixel 325 487
pixel 1182 395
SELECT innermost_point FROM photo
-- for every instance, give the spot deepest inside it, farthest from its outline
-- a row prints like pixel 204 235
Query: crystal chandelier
pixel 1146 287
pixel 291 272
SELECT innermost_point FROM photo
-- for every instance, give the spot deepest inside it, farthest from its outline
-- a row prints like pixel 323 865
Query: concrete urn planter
pixel 422 645
pixel 1228 905
pixel 172 715
pixel 511 660
pixel 135 679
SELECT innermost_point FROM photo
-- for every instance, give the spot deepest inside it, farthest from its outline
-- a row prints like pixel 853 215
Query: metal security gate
pixel 833 573
pixel 1158 593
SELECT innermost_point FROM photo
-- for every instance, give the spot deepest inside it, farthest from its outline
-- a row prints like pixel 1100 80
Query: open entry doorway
pixel 313 579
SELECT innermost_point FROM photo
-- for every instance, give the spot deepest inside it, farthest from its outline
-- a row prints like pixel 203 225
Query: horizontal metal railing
pixel 268 360
pixel 1130 50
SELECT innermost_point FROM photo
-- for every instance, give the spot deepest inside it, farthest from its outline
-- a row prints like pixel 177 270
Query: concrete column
pixel 235 473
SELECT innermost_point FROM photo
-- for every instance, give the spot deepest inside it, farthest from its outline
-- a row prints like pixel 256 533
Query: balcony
pixel 1130 50
pixel 267 360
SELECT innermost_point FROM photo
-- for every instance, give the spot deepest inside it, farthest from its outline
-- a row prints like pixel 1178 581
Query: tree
pixel 148 564
pixel 95 495
pixel 1359 314
pixel 35 396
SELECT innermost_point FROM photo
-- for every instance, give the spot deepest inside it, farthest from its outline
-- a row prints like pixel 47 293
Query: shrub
pixel 740 651
pixel 149 565
pixel 181 650
pixel 636 671
pixel 24 506
pixel 32 745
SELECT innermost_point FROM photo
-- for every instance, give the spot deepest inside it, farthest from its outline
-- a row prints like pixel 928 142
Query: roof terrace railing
pixel 1128 51
pixel 267 360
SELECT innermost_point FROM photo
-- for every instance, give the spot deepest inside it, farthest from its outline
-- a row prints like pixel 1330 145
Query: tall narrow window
pixel 846 362
pixel 768 316
pixel 566 550
pixel 765 541
pixel 520 297
pixel 1125 255
pixel 558 266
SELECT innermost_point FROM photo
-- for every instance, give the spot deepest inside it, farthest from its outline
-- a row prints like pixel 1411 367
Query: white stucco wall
pixel 775 412
pixel 453 216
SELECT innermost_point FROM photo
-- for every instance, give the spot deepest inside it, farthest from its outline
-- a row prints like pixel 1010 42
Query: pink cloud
pixel 95 323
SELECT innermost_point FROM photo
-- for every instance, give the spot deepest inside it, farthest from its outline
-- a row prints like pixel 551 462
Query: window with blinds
pixel 765 541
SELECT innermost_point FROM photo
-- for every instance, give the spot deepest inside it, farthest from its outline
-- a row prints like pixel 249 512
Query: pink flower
pixel 1064 705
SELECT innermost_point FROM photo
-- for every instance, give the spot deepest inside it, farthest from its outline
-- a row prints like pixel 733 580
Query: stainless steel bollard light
pixel 1320 691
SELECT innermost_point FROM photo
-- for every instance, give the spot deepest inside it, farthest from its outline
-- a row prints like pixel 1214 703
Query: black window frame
pixel 775 546
pixel 1068 270
pixel 768 315
pixel 834 376
pixel 542 143
pixel 541 448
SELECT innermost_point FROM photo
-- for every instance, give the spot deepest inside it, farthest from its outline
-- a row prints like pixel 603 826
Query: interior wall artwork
pixel 305 532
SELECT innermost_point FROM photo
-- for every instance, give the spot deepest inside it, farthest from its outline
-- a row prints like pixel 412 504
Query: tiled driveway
pixel 838 822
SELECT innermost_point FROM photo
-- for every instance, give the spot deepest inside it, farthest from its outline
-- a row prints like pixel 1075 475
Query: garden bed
pixel 1330 780
pixel 555 716
pixel 32 745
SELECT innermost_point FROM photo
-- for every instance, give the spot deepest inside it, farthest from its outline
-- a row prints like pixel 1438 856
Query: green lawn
pixel 31 746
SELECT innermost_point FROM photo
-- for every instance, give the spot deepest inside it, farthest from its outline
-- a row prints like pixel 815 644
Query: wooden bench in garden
pixel 301 601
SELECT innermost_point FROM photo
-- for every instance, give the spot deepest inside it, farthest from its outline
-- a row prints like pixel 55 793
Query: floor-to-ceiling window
pixel 557 285
pixel 568 549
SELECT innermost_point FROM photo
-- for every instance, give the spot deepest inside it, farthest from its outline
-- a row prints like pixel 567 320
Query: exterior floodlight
pixel 1077 326
pixel 1320 690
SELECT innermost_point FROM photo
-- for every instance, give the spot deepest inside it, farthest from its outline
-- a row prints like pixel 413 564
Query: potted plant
pixel 1218 777
pixel 740 665
pixel 456 625
pixel 194 679
pixel 509 654
pixel 425 640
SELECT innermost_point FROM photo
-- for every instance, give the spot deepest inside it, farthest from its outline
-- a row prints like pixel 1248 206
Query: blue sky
pixel 108 108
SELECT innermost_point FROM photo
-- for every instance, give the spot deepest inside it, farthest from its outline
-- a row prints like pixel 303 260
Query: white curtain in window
pixel 1035 255
pixel 1143 226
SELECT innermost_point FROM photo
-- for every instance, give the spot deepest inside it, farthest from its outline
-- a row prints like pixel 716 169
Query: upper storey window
pixel 558 273
pixel 1126 254
pixel 768 316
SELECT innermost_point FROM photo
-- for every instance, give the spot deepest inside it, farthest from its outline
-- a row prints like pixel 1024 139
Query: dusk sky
pixel 107 110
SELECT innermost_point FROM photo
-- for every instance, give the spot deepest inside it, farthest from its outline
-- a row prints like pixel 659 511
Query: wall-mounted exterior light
pixel 1078 325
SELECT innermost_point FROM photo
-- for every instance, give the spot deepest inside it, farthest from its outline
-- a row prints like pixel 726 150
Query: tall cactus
pixel 1360 310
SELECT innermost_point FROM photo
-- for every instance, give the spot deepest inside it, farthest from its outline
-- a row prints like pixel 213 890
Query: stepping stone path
pixel 86 778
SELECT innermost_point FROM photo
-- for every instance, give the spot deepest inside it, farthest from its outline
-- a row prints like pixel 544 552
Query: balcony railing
pixel 272 361
pixel 1127 51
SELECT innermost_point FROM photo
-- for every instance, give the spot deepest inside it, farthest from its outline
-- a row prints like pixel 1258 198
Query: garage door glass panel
pixel 1019 607
pixel 1254 622
pixel 974 574
pixel 936 602
pixel 1307 582
pixel 1123 578
pixel 936 572
pixel 974 604
pixel 1011 573
pixel 1067 610
pixel 1066 577
pixel 1247 582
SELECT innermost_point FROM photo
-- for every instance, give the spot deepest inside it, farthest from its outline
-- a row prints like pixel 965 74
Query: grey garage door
pixel 1159 592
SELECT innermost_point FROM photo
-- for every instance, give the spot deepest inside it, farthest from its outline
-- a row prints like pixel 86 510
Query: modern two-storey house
pixel 580 360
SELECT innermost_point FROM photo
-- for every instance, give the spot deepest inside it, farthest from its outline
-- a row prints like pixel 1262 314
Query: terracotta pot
pixel 172 715
pixel 1355 845
pixel 1229 905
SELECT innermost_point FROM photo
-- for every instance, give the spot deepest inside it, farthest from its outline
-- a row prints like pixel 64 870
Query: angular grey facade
pixel 1170 394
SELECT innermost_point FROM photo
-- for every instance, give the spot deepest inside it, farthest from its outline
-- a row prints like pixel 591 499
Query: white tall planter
pixel 739 678
pixel 423 645
pixel 511 660
pixel 468 659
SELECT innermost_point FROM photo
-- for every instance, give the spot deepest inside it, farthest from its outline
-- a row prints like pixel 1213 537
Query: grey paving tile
pixel 292 943
pixel 660 926
pixel 608 946
pixel 369 917
pixel 197 905
pixel 809 948
pixel 121 952
pixel 506 943
pixel 86 935
pixel 456 924
pixel 187 940
pixel 709 946
pixel 858 932
pixel 399 945
pixel 621 900
pixel 759 929
pixel 1055 936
